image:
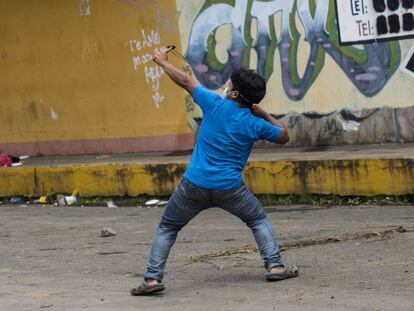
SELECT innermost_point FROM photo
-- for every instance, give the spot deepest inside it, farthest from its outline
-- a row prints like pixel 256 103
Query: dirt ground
pixel 350 258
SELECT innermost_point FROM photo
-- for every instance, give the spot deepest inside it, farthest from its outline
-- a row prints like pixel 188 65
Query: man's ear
pixel 233 94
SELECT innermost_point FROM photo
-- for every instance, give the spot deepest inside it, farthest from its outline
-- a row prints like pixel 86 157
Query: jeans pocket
pixel 189 190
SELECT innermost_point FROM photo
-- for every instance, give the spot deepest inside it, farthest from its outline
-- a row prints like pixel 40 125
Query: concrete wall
pixel 76 74
pixel 391 176
pixel 324 92
pixel 77 77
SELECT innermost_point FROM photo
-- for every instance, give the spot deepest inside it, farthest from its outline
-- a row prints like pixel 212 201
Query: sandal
pixel 290 271
pixel 147 289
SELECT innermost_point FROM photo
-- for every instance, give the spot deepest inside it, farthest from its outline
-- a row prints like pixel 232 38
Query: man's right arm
pixel 179 77
pixel 261 113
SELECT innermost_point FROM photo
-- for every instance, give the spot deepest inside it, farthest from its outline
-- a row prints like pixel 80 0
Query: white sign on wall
pixel 361 21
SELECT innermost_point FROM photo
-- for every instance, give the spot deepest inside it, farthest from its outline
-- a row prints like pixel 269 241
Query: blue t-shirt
pixel 224 141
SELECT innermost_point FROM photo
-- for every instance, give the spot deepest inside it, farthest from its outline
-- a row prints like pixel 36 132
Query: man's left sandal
pixel 147 289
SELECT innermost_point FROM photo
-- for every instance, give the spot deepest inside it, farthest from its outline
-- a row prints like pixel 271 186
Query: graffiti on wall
pixel 84 7
pixel 368 66
pixel 408 64
pixel 142 49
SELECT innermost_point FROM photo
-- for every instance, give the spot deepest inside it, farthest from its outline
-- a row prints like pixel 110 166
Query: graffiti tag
pixel 368 67
pixel 149 41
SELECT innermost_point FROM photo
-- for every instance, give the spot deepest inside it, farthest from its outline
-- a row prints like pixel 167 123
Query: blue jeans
pixel 188 200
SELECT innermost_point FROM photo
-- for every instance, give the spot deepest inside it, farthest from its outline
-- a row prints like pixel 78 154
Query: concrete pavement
pixel 350 258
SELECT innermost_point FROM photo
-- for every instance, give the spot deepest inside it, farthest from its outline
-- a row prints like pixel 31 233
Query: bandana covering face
pixel 224 95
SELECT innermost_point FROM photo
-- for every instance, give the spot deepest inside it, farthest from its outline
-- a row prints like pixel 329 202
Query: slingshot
pixel 171 49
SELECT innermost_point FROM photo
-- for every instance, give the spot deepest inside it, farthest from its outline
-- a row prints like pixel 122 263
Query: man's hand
pixel 259 111
pixel 179 77
pixel 161 57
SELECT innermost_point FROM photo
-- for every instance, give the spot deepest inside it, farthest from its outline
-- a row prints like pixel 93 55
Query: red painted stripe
pixel 92 146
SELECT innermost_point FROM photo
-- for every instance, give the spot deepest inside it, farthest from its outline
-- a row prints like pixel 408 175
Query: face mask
pixel 224 95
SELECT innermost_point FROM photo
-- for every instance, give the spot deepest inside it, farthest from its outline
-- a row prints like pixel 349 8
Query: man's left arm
pixel 261 113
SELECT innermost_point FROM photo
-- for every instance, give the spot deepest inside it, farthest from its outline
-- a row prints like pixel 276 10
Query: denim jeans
pixel 188 200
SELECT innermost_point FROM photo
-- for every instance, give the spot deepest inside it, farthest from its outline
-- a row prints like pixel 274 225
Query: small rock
pixel 107 231
pixel 401 229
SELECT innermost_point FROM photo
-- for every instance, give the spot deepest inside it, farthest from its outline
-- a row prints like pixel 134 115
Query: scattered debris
pixel 107 232
pixel 5 160
pixel 162 203
pixel 111 204
pixel 60 198
pixel 103 157
pixel 46 199
pixel 17 200
pixel 70 199
pixel 152 202
pixel 8 160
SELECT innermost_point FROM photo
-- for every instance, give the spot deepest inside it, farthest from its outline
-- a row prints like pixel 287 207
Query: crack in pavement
pixel 379 235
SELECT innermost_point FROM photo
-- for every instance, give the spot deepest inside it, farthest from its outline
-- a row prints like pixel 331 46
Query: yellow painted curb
pixel 341 177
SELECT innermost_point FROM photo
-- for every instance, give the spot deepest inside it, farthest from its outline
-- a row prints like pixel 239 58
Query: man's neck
pixel 241 105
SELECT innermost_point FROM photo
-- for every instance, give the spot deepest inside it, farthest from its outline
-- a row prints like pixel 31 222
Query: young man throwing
pixel 231 124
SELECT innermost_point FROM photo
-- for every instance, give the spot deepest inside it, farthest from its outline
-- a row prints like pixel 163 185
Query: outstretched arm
pixel 179 77
pixel 261 113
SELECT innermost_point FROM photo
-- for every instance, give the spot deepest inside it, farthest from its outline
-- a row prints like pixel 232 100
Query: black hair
pixel 250 85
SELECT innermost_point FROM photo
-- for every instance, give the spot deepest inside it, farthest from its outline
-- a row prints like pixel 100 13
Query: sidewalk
pixel 342 170
pixel 350 258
